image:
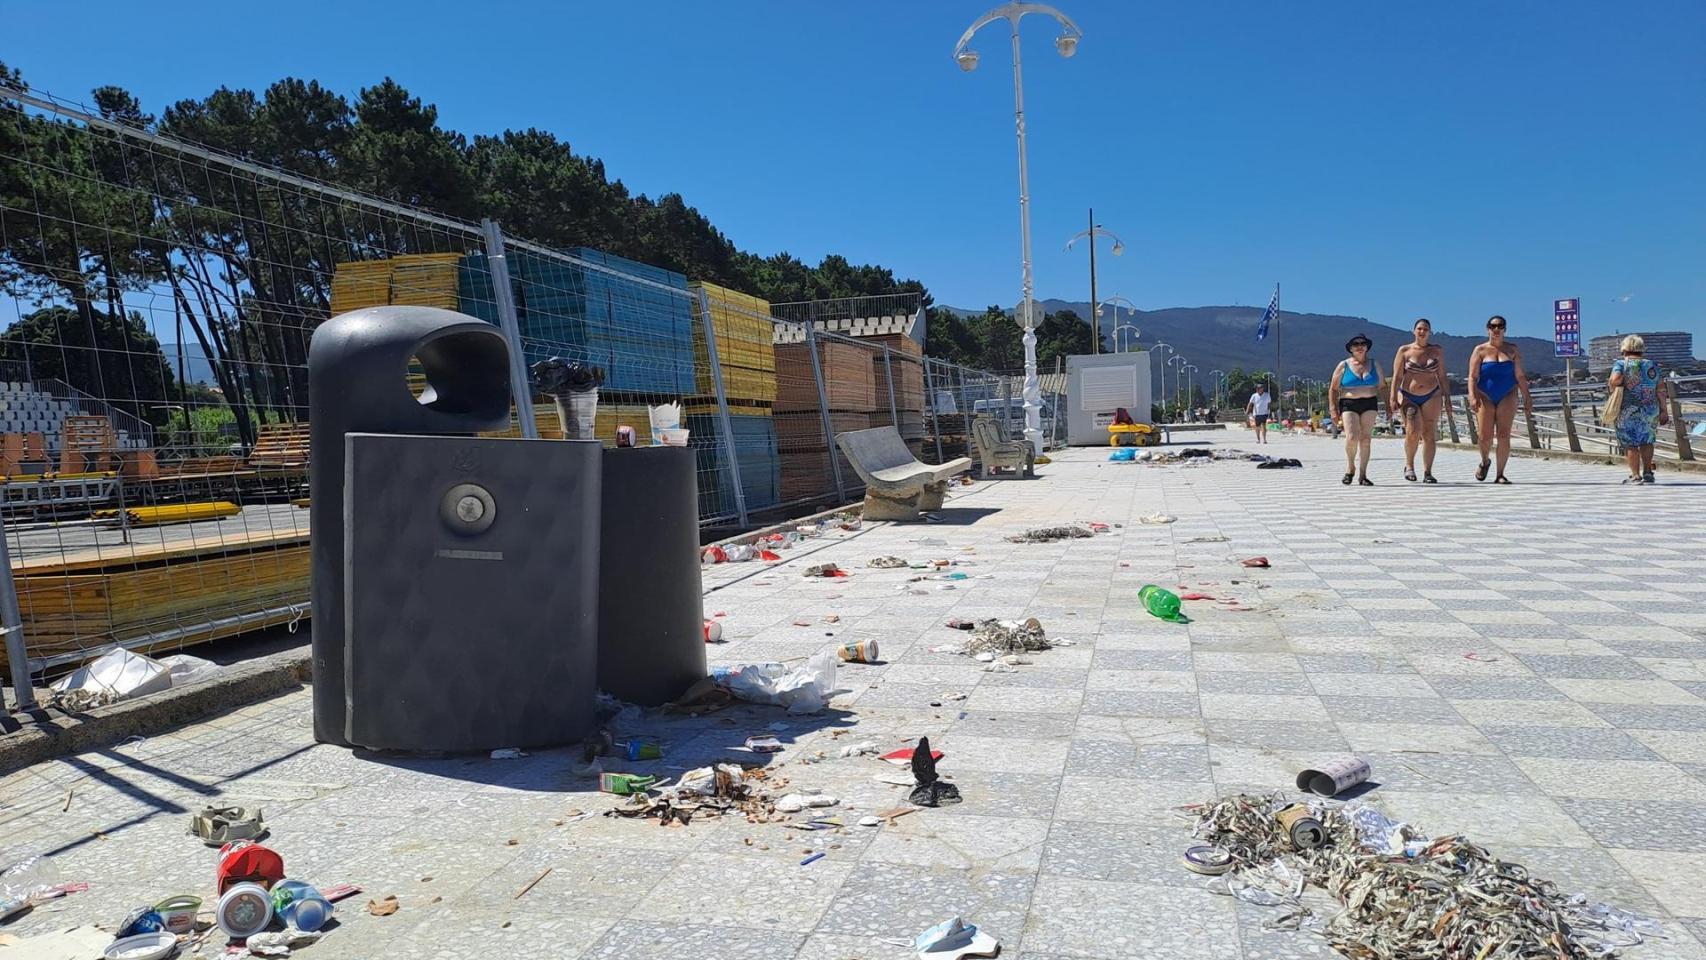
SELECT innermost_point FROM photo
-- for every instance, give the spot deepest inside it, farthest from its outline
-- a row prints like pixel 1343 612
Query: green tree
pixel 121 363
pixel 1062 334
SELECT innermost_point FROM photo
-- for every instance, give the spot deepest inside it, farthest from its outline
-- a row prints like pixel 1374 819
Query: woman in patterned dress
pixel 1643 407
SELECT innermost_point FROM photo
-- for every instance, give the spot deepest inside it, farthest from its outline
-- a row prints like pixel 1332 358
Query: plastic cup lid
pixel 952 939
pixel 143 946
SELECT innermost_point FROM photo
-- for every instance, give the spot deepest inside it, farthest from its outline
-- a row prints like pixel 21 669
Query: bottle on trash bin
pixel 1159 601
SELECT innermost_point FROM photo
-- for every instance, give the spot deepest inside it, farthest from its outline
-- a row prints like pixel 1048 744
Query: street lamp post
pixel 1095 230
pixel 1190 394
pixel 1067 44
pixel 1116 301
pixel 1178 377
pixel 1219 383
pixel 1135 333
pixel 1162 393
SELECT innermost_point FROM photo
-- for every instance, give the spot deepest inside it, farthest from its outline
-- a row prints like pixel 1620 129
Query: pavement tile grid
pixel 1522 664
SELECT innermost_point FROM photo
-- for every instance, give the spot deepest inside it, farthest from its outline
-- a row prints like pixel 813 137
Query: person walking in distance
pixel 1419 388
pixel 1257 409
pixel 1354 393
pixel 1495 378
pixel 1643 409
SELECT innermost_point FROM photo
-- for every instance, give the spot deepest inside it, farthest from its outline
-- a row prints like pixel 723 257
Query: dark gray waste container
pixel 472 603
pixel 358 381
pixel 651 626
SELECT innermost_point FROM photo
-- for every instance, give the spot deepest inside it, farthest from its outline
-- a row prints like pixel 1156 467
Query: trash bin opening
pixel 466 371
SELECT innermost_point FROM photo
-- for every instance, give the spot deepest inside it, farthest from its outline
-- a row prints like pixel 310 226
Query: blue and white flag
pixel 1268 315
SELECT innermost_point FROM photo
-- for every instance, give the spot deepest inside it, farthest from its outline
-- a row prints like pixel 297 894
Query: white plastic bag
pixel 804 688
pixel 187 669
pixel 118 675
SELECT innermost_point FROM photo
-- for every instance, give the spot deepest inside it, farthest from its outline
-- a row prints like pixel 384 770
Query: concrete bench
pixel 996 451
pixel 897 486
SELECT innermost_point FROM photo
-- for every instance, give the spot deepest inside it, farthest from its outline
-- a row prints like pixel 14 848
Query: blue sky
pixel 1450 159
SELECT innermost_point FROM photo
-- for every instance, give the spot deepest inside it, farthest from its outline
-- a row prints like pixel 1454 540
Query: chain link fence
pixel 158 300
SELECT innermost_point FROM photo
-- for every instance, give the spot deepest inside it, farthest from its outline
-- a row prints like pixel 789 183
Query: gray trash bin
pixel 357 371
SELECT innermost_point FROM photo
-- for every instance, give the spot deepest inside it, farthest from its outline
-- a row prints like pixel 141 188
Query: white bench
pixel 897 485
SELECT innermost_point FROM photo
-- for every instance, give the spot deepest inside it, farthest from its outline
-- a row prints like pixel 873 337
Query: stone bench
pixel 897 485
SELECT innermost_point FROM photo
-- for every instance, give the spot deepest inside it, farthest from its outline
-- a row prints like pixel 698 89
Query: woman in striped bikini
pixel 1495 378
pixel 1419 387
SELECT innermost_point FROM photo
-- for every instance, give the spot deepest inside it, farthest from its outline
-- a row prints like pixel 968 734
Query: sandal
pixel 1481 474
pixel 1428 478
pixel 1348 478
pixel 1501 479
pixel 1410 474
pixel 1365 481
pixel 217 826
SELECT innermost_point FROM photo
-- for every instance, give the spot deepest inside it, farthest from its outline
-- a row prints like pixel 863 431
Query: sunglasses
pixel 1495 326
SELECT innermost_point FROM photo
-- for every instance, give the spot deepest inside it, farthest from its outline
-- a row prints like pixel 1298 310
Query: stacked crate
pixel 748 361
pixel 599 309
pixel 904 365
pixel 416 279
pixel 850 395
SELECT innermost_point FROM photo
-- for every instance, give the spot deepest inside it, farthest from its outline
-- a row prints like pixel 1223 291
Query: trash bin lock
pixel 468 508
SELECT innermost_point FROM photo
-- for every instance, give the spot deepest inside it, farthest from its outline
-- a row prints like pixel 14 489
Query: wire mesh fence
pixel 159 299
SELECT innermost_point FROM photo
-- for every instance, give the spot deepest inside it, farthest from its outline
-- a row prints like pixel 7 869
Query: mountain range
pixel 1311 344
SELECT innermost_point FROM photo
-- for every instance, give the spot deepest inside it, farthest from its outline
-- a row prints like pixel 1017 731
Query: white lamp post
pixel 1178 376
pixel 1218 383
pixel 1091 234
pixel 1135 333
pixel 1067 44
pixel 1162 369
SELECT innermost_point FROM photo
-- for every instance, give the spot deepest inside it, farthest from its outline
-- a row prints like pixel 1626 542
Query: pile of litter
pixel 706 791
pixel 765 547
pixel 1402 895
pixel 887 563
pixel 1007 636
pixel 1053 534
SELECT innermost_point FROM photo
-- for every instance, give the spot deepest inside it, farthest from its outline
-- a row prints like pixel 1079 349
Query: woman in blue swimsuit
pixel 1354 393
pixel 1419 387
pixel 1495 378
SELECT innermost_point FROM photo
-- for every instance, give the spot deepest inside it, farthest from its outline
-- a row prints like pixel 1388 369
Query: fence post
pixel 1570 427
pixel 935 411
pixel 12 623
pixel 1451 415
pixel 823 408
pixel 731 458
pixel 888 371
pixel 1469 421
pixel 1533 431
pixel 1006 405
pixel 520 385
pixel 1684 449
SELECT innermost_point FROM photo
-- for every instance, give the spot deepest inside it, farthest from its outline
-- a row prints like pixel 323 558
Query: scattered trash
pixel 953 940
pixel 930 789
pixel 1207 540
pixel 508 753
pixel 641 750
pixel 186 669
pixel 1206 860
pixel 279 943
pixel 858 651
pixel 887 563
pixel 141 920
pixel 1438 898
pixel 703 696
pixel 1000 637
pixel 713 632
pixel 812 859
pixel 244 861
pixel 1123 455
pixel 1157 518
pixel 1304 831
pixel 1161 603
pixel 863 749
pixel 1193 595
pixel 109 678
pixel 1472 655
pixel 244 910
pixel 155 945
pixel 831 618
pixel 764 744
pixel 217 826
pixel 1380 540
pixel 1052 534
pixel 1259 562
pixel 383 908
pixel 795 802
pixel 870 822
pixel 824 570
pixel 903 756
pixel 532 883
pixel 299 905
pixel 805 688
pixel 1334 776
pixel 179 913
pixel 1283 463
pixel 958 624
pixel 625 784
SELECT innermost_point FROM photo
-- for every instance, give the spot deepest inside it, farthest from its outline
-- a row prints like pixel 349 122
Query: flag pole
pixel 1277 380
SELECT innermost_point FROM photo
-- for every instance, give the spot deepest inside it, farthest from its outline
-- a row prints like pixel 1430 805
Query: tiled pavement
pixel 1523 664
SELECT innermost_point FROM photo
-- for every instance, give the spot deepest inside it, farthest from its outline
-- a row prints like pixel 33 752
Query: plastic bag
pixel 23 882
pixel 187 669
pixel 805 688
pixel 114 676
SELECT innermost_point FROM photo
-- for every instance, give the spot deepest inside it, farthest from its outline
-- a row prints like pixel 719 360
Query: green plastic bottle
pixel 1159 601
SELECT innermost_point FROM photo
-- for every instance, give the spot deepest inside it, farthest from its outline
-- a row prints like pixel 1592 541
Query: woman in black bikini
pixel 1495 378
pixel 1418 389
pixel 1354 392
